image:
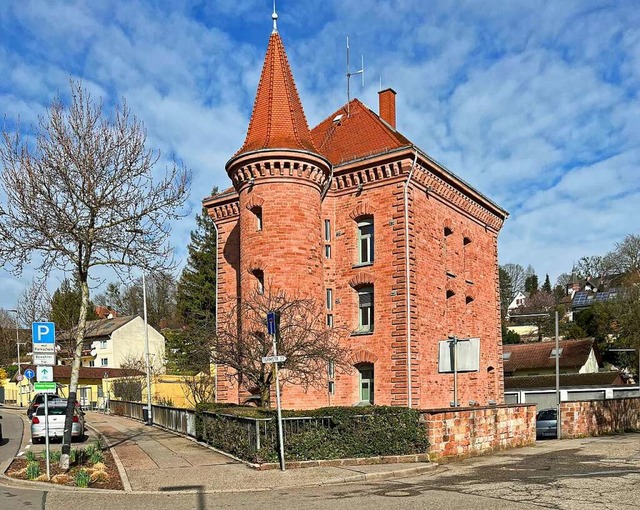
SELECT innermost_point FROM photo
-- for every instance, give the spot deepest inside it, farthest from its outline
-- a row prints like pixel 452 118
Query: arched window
pixel 257 211
pixel 259 274
pixel 365 241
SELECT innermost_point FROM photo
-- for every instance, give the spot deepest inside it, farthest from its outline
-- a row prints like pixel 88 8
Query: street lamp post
pixel 454 342
pixel 557 357
pixel 146 349
pixel 14 310
pixel 146 334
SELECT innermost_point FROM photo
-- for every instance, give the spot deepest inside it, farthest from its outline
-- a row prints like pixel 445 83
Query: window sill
pixel 364 264
pixel 362 333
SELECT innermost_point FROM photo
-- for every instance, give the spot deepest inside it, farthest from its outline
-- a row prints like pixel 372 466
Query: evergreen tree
pixel 546 286
pixel 531 284
pixel 196 295
pixel 189 351
pixel 65 306
pixel 506 291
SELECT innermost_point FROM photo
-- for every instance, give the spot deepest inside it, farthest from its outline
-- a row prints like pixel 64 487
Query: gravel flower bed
pixel 92 466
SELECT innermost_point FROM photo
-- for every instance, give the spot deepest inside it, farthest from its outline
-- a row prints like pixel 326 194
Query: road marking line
pixel 592 473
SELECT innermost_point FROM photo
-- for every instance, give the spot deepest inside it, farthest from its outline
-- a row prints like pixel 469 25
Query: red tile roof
pixel 99 327
pixel 574 355
pixel 277 120
pixel 341 137
pixel 597 379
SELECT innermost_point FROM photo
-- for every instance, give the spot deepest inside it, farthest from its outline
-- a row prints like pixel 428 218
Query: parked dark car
pixel 547 424
pixel 37 401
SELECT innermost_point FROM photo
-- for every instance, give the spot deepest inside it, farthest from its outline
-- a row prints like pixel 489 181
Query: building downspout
pixel 215 366
pixel 326 190
pixel 407 268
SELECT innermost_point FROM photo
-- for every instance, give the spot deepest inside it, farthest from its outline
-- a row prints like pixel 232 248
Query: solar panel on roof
pixel 580 298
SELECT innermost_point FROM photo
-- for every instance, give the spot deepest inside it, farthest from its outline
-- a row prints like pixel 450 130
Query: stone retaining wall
pixel 598 417
pixel 467 432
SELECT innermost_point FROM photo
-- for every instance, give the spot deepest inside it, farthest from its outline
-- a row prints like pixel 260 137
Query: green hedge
pixel 351 432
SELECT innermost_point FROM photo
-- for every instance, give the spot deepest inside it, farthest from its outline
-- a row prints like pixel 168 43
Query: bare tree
pixel 627 255
pixel 84 194
pixel 34 303
pixel 309 346
pixel 199 388
pixel 517 276
pixel 595 266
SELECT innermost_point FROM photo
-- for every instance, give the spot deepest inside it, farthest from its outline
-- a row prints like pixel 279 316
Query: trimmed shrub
pixel 329 433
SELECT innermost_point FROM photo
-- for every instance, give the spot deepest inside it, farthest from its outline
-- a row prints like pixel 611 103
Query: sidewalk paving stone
pixel 157 460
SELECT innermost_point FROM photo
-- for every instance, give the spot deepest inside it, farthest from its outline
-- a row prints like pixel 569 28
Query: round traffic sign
pixel 19 377
pixel 29 374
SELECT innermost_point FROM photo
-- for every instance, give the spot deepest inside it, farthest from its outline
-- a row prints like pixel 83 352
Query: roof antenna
pixel 380 88
pixel 349 75
pixel 274 17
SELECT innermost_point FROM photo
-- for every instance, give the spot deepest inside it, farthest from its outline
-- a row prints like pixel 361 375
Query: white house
pixel 117 341
pixel 518 301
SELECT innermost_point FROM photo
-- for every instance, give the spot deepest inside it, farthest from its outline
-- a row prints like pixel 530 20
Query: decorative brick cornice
pixel 278 165
pixel 223 206
pixel 428 176
pixel 362 278
pixel 362 209
pixel 362 356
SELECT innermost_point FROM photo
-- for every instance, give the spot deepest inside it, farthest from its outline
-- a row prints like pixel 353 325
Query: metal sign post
pixel 272 330
pixel 558 396
pixel 46 433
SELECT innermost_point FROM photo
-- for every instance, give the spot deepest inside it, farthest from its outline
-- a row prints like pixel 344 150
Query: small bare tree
pixel 199 388
pixel 83 194
pixel 308 344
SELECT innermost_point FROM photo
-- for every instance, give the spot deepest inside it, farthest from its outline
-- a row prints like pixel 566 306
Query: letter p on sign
pixel 43 332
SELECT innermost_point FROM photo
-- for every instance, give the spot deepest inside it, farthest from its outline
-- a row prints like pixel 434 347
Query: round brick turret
pixel 280 220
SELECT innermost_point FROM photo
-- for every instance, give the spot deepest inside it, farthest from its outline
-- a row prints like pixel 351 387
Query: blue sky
pixel 535 103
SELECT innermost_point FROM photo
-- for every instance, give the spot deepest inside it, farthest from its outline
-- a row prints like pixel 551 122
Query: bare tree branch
pixel 308 344
pixel 85 194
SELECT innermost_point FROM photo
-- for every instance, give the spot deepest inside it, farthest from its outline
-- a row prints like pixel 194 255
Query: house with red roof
pixel 400 250
pixel 578 356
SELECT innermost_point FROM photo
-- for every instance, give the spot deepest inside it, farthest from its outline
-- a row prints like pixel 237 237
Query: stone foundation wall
pixel 598 417
pixel 467 432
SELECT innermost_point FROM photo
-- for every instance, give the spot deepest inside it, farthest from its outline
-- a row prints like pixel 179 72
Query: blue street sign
pixel 43 332
pixel 271 323
pixel 29 374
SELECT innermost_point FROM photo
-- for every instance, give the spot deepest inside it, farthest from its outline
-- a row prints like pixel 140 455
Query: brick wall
pixel 467 432
pixel 598 417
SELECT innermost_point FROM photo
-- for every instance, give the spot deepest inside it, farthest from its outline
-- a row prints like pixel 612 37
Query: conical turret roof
pixel 277 120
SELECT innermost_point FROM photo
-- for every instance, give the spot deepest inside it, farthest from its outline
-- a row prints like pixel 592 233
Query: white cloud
pixel 534 103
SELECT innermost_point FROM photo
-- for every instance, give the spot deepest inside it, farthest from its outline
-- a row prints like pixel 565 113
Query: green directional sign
pixel 44 387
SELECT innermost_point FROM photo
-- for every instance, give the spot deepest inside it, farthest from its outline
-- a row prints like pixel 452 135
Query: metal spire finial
pixel 274 17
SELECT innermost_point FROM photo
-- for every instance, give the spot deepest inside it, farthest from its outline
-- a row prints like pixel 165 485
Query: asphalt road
pixel 593 473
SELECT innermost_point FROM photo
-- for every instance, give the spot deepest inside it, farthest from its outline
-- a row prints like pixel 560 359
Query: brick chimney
pixel 387 106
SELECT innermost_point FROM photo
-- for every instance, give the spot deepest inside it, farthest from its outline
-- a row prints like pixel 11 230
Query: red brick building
pixel 402 251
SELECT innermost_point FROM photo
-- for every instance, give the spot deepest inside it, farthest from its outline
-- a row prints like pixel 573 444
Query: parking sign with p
pixel 43 336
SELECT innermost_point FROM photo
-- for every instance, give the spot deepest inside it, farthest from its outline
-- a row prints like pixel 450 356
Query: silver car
pixel 57 412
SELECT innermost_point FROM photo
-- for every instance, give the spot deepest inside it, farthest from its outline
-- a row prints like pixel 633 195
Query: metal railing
pixel 258 432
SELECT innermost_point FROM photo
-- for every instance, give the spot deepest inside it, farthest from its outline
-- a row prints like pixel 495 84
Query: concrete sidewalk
pixel 152 459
